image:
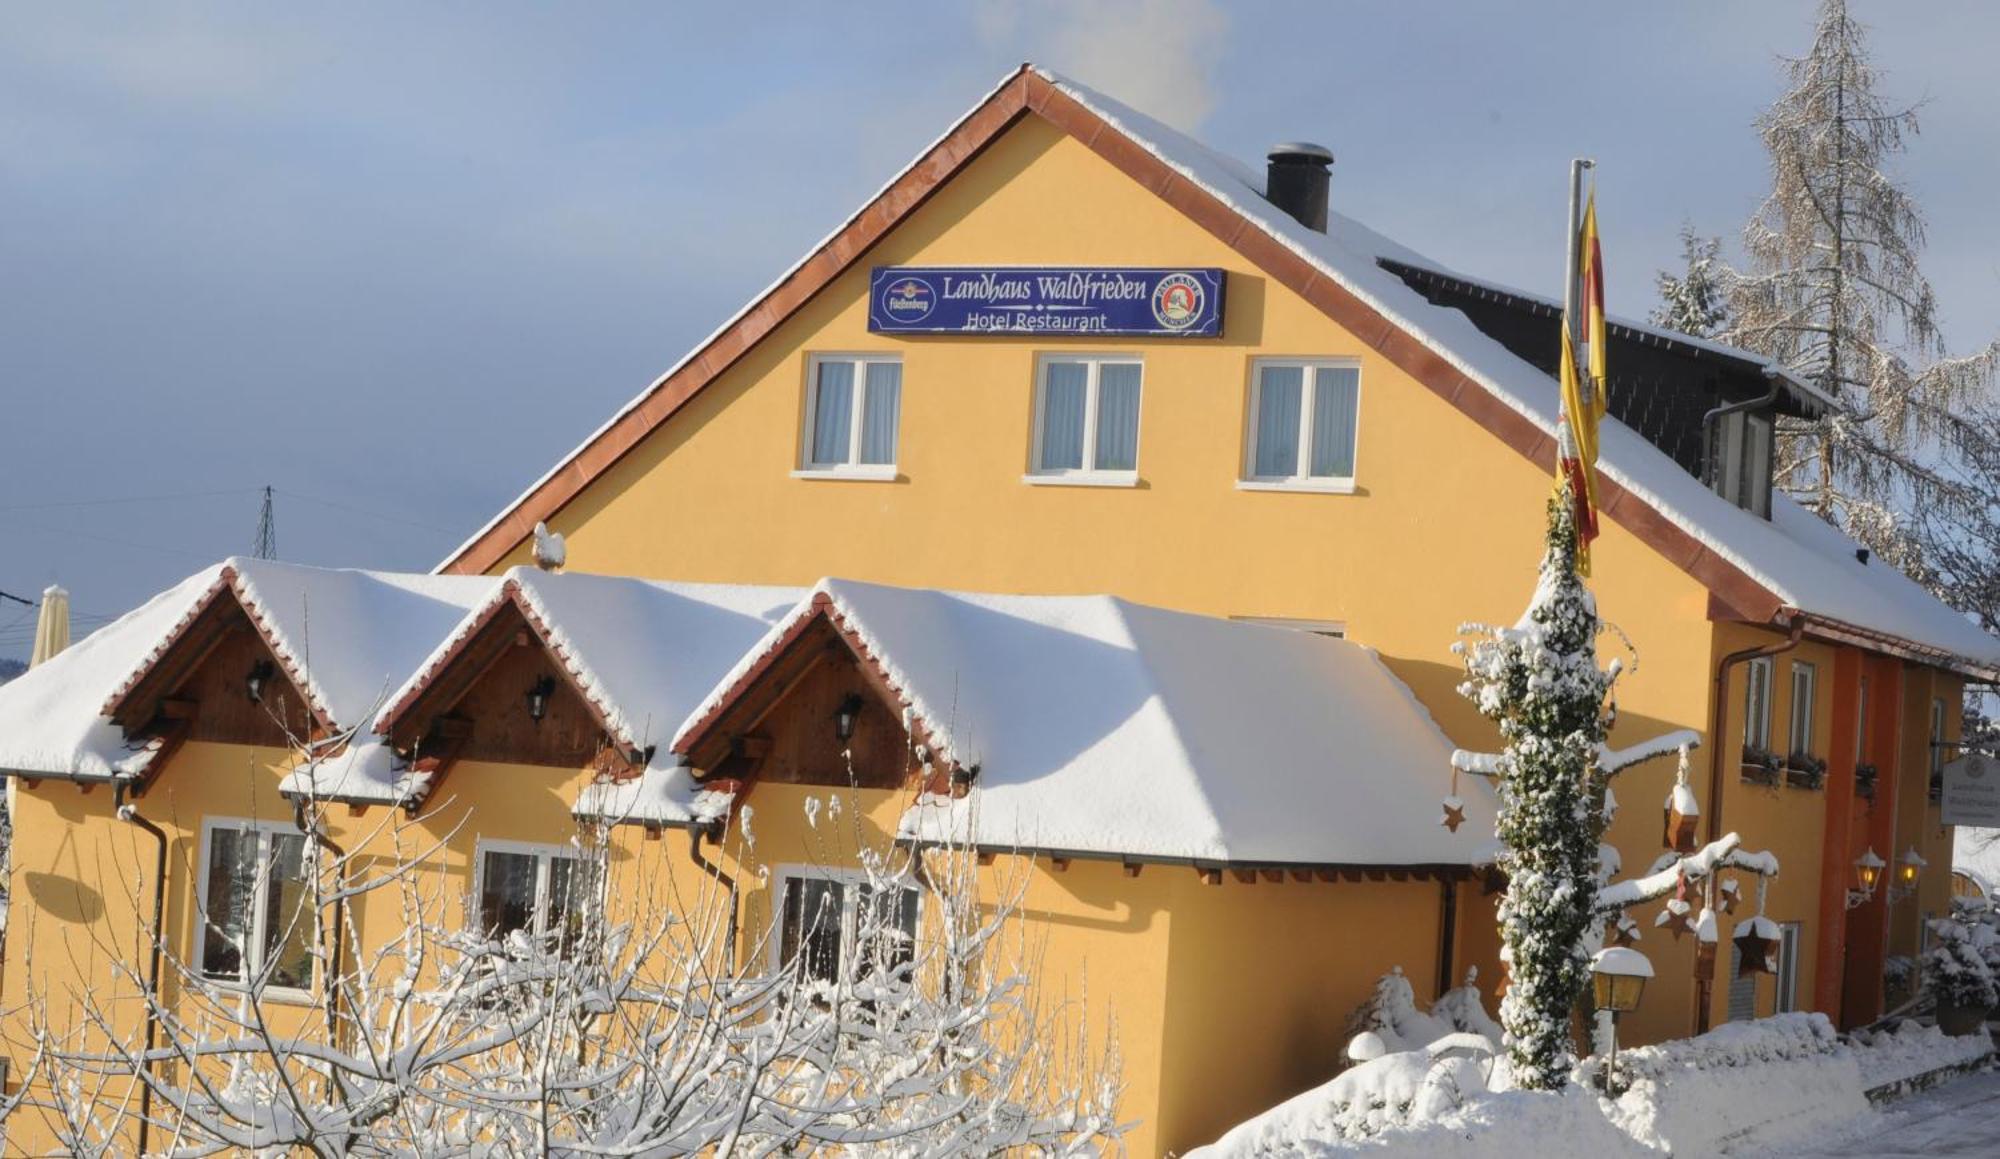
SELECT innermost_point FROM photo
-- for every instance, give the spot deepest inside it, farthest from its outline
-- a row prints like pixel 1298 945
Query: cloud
pixel 1156 55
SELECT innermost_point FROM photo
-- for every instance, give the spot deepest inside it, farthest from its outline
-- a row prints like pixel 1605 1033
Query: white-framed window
pixel 258 917
pixel 838 926
pixel 854 405
pixel 1086 419
pixel 1788 966
pixel 1804 689
pixel 1303 420
pixel 536 889
pixel 1335 629
pixel 1757 703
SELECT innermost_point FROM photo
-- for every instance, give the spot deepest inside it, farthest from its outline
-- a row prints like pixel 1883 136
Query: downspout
pixel 320 839
pixel 128 812
pixel 695 834
pixel 1718 759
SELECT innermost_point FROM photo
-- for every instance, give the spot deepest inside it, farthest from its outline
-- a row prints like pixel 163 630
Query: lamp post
pixel 1618 977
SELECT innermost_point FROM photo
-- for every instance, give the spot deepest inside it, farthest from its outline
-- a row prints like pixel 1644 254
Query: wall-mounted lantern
pixel 538 698
pixel 1909 868
pixel 259 679
pixel 845 716
pixel 1867 875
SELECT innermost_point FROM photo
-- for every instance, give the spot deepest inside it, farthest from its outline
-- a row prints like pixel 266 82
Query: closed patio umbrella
pixel 52 626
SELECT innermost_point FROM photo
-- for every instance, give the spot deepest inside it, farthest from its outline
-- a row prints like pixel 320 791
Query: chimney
pixel 1297 180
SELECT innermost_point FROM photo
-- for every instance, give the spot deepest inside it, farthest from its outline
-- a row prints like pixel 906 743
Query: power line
pixel 123 499
pixel 349 507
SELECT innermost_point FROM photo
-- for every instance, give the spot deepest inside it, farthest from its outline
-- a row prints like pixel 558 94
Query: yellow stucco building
pixel 1361 448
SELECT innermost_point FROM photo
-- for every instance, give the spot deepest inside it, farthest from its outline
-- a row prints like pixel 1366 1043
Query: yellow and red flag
pixel 1583 387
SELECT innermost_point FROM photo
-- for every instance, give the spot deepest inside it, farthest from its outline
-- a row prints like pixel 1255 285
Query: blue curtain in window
pixel 881 404
pixel 833 405
pixel 1336 393
pixel 1117 417
pixel 1280 391
pixel 1062 416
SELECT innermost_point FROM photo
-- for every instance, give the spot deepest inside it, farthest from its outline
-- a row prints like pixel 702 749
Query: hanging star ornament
pixel 1730 896
pixel 1454 813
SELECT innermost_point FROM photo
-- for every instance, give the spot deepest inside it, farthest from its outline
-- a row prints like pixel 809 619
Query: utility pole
pixel 267 531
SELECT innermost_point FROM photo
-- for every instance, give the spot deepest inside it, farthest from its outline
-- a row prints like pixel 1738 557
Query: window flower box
pixel 1805 771
pixel 1760 766
pixel 1865 778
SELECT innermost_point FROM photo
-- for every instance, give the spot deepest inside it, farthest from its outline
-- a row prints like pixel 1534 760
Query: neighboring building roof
pixel 1100 727
pixel 371 628
pixel 1765 571
pixel 640 652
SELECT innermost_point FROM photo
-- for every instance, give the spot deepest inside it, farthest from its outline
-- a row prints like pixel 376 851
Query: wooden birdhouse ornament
pixel 1683 812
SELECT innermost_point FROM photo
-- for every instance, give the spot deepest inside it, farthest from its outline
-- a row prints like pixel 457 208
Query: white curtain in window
pixel 833 404
pixel 1117 417
pixel 881 404
pixel 1336 394
pixel 1280 391
pixel 1062 416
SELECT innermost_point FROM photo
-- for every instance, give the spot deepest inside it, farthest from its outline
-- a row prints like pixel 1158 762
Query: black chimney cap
pixel 1300 153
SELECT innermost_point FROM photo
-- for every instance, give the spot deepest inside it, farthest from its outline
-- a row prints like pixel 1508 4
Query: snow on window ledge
pixel 281 995
pixel 1314 486
pixel 865 473
pixel 1083 479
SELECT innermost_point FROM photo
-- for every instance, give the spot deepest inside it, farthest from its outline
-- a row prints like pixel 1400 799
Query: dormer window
pixel 1739 461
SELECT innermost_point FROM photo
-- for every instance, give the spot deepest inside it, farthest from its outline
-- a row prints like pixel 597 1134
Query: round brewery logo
pixel 908 299
pixel 1177 301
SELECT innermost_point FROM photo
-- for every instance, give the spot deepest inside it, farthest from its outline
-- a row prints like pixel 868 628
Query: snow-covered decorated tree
pixel 1540 682
pixel 626 1028
pixel 1834 291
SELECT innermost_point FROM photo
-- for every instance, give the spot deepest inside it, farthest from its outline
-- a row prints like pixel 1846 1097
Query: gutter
pixel 1718 760
pixel 128 812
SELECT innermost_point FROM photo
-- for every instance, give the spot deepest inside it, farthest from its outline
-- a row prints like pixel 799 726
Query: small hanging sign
pixel 1971 791
pixel 1171 302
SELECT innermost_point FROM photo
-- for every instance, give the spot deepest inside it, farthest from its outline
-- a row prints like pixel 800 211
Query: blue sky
pixel 394 261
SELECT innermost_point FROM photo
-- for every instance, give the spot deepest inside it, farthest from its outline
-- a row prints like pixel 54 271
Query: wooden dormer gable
pixel 777 721
pixel 472 703
pixel 196 685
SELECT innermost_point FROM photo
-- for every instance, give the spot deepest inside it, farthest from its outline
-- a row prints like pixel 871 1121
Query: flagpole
pixel 1572 332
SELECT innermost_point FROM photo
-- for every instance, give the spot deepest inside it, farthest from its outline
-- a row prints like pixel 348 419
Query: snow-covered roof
pixel 1104 727
pixel 643 652
pixel 1802 561
pixel 1799 566
pixel 346 636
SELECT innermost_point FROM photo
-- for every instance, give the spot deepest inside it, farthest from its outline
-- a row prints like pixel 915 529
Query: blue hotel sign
pixel 1176 302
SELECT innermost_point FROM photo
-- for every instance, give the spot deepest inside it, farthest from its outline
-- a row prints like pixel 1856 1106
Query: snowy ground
pixel 1960 1118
